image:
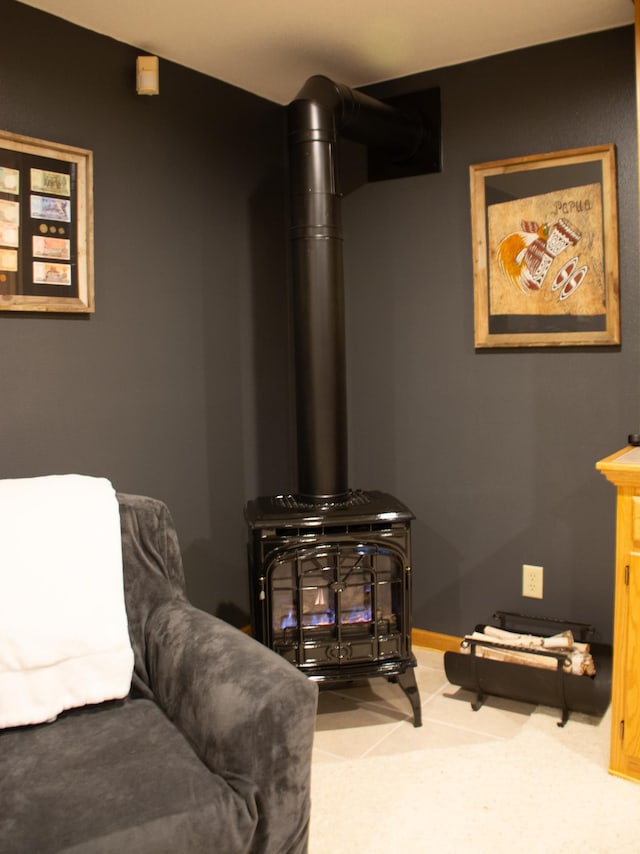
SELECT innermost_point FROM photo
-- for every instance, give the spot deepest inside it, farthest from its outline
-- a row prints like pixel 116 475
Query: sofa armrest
pixel 245 710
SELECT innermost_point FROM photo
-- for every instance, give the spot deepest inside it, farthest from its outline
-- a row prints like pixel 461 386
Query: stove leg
pixel 407 681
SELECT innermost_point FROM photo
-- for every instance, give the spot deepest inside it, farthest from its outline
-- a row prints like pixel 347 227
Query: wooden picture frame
pixel 46 226
pixel 545 250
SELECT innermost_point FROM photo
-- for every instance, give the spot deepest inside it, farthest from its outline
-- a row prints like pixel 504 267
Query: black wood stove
pixel 332 586
pixel 330 567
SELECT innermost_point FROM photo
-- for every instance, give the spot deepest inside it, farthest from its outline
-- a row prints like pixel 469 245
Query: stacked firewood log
pixel 550 653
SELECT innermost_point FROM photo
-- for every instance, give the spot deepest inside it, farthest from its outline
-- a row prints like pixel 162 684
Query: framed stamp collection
pixel 46 226
pixel 545 250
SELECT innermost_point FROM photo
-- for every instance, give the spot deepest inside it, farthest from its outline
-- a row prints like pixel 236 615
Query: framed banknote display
pixel 545 250
pixel 46 226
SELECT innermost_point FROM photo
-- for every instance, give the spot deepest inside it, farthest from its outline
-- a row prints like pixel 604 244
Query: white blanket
pixel 64 640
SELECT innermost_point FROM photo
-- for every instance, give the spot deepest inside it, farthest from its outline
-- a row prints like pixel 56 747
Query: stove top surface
pixel 294 510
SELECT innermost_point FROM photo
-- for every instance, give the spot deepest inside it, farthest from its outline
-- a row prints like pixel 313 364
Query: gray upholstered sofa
pixel 209 752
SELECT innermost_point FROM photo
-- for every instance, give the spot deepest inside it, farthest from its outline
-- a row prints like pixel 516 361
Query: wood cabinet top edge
pixel 619 473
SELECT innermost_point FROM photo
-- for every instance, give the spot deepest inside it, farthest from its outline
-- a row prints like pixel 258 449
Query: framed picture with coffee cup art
pixel 545 250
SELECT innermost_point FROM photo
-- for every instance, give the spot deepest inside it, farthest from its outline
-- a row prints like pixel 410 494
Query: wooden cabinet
pixel 623 470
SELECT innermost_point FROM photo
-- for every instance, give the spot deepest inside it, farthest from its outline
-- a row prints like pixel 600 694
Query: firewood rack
pixel 550 687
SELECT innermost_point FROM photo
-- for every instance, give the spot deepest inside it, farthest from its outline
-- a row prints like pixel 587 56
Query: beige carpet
pixel 503 779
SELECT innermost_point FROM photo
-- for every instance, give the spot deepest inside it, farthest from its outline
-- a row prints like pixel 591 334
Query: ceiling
pixel 270 47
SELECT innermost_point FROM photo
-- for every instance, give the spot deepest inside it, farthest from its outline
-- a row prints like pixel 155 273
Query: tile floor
pixel 501 779
pixel 370 719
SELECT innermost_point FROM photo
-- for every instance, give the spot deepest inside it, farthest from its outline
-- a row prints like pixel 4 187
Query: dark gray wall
pixel 493 450
pixel 178 386
pixel 156 390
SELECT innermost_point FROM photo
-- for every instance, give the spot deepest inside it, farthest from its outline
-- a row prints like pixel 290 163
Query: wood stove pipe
pixel 320 111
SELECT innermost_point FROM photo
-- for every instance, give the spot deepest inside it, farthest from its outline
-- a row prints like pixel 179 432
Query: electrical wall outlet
pixel 532 579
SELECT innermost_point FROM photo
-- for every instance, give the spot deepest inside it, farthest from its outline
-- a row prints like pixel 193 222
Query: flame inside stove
pixel 358 615
pixel 327 618
pixel 324 618
pixel 289 622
